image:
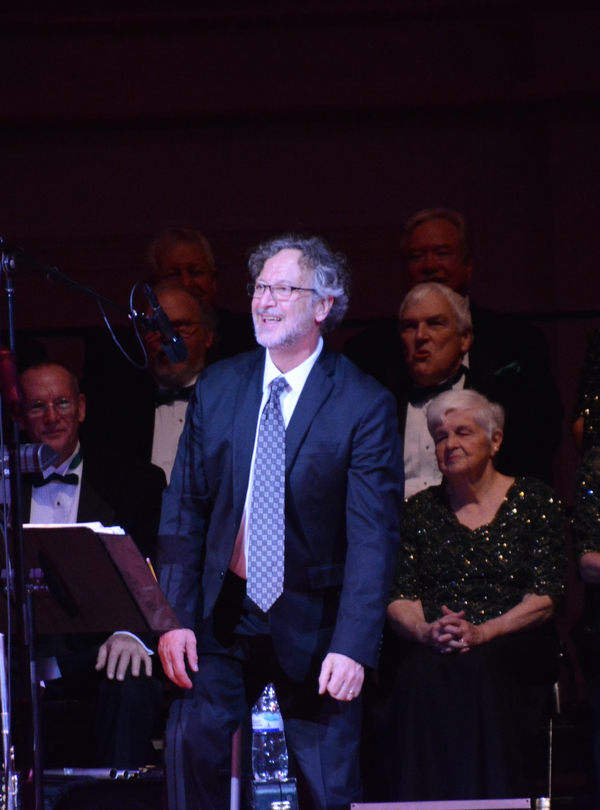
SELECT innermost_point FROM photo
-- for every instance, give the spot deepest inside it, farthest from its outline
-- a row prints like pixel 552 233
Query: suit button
pixel 222 573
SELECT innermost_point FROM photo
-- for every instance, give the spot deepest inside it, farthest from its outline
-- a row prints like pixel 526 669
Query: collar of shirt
pixel 296 379
pixel 65 466
pixel 192 381
pixel 57 502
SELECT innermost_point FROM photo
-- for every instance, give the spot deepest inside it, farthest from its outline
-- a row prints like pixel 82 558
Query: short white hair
pixel 458 303
pixel 488 415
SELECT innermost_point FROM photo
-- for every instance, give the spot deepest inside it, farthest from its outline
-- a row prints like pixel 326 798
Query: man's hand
pixel 173 649
pixel 341 677
pixel 118 652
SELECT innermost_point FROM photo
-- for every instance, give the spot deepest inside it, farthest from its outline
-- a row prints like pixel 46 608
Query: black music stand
pixel 82 581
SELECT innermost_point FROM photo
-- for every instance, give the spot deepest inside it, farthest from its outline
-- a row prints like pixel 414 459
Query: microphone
pixel 172 343
pixel 34 458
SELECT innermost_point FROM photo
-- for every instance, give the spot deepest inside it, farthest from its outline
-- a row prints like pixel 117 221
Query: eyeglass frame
pixel 184 330
pixel 251 290
pixel 61 405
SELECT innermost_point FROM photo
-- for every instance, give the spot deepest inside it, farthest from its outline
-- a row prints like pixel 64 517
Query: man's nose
pixel 422 333
pixel 51 414
pixel 429 263
pixel 267 297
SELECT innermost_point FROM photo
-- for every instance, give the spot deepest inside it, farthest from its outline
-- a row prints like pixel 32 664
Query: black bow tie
pixel 166 396
pixel 38 480
pixel 417 394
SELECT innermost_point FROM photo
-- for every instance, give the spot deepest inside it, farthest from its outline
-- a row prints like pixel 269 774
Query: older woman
pixel 480 571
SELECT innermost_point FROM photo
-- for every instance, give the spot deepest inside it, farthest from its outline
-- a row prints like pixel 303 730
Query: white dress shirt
pixel 169 421
pixel 57 502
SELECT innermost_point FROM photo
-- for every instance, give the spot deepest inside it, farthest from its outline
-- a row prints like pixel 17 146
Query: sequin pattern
pixel 488 570
pixel 586 516
pixel 587 403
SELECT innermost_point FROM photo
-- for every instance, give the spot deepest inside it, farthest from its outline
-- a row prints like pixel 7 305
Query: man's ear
pixel 322 309
pixel 81 401
pixel 466 342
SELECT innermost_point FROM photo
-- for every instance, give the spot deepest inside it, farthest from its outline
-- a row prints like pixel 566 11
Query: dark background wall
pixel 246 119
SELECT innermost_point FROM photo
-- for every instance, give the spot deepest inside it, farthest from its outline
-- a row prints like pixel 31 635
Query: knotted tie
pixel 38 480
pixel 266 552
pixel 168 396
pixel 418 393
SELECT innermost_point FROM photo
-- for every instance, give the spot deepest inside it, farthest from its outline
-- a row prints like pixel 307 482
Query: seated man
pixel 505 350
pixel 436 333
pixel 86 485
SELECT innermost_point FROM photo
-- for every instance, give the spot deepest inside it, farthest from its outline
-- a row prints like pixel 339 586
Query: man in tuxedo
pixel 145 411
pixel 87 485
pixel 278 537
pixel 172 383
pixel 505 351
pixel 436 334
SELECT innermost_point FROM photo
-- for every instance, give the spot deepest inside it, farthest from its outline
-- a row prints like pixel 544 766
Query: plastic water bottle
pixel 269 751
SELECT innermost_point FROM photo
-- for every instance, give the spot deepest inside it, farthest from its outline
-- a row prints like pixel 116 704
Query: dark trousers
pixel 236 661
pixel 116 718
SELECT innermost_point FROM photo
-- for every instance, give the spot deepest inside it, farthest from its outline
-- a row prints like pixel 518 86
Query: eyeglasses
pixel 185 329
pixel 38 409
pixel 280 292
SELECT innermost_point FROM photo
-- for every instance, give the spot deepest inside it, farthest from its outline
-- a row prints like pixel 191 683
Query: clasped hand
pixel 452 633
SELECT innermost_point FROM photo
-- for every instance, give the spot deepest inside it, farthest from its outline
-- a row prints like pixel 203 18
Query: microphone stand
pixel 14 258
pixel 28 750
pixel 29 759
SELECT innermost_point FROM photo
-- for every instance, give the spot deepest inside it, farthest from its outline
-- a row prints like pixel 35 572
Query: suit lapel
pixel 92 507
pixel 316 391
pixel 245 416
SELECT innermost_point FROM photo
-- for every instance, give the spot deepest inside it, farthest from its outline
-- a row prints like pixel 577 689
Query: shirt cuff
pixel 127 633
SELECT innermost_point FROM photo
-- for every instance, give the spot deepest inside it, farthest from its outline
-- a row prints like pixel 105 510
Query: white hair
pixel 458 304
pixel 488 415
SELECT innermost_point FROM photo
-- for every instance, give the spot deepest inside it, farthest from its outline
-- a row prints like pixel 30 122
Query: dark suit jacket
pixel 343 499
pixel 117 491
pixel 509 364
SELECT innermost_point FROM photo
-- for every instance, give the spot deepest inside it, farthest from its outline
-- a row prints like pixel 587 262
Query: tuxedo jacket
pixel 120 491
pixel 508 363
pixel 344 489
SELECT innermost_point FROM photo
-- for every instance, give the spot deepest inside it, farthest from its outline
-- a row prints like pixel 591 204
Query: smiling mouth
pixel 269 318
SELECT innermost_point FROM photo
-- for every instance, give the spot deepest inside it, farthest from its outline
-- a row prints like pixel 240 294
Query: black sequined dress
pixel 587 401
pixel 458 725
pixel 586 538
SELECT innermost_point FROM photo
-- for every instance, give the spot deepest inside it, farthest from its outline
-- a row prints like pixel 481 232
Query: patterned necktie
pixel 266 552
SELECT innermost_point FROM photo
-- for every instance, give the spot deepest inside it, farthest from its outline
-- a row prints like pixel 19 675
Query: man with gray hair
pixel 506 352
pixel 278 538
pixel 436 332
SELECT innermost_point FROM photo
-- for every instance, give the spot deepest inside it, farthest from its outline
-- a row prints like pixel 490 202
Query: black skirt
pixel 462 725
